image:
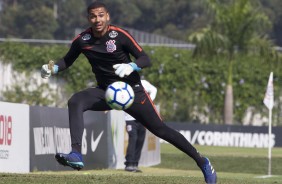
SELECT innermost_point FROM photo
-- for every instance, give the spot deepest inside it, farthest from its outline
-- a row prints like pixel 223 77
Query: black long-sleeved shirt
pixel 112 48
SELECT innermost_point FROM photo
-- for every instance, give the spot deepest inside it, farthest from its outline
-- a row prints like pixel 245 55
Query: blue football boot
pixel 209 172
pixel 73 160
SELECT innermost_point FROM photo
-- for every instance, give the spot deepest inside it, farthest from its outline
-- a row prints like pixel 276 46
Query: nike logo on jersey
pixel 88 47
pixel 95 142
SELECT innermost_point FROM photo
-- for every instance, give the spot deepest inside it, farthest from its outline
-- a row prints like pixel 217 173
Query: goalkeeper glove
pixel 125 69
pixel 46 70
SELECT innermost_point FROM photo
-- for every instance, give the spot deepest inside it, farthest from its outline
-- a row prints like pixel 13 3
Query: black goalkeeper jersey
pixel 114 47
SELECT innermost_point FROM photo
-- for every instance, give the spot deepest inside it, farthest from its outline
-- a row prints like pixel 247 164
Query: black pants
pixel 142 110
pixel 136 136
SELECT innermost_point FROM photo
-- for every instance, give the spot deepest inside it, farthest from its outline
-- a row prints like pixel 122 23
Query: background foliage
pixel 58 19
pixel 188 87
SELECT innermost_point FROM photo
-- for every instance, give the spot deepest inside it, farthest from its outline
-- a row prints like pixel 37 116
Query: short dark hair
pixel 96 4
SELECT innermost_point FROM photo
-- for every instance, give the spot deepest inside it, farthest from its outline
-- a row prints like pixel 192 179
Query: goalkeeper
pixel 108 49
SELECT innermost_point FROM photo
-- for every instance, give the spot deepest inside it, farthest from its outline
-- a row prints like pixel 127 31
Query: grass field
pixel 233 166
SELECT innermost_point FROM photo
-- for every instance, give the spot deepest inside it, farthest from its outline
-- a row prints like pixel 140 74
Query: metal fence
pixel 143 38
pixel 44 41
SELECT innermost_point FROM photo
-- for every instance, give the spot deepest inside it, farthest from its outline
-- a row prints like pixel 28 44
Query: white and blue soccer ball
pixel 119 95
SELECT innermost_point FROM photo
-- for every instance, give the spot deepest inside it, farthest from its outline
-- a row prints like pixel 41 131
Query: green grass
pixel 233 166
pixel 225 159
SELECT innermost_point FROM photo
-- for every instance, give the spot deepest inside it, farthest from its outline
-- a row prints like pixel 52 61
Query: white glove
pixel 125 69
pixel 45 72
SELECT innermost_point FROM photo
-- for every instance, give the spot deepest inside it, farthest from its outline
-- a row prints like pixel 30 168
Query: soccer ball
pixel 119 95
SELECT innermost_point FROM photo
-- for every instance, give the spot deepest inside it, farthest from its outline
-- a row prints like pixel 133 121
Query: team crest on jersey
pixel 111 46
pixel 113 34
pixel 86 37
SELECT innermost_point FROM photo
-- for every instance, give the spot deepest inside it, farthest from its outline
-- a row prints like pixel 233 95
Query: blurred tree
pixel 7 21
pixel 172 18
pixel 238 27
pixel 71 14
pixel 37 22
pixel 273 10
